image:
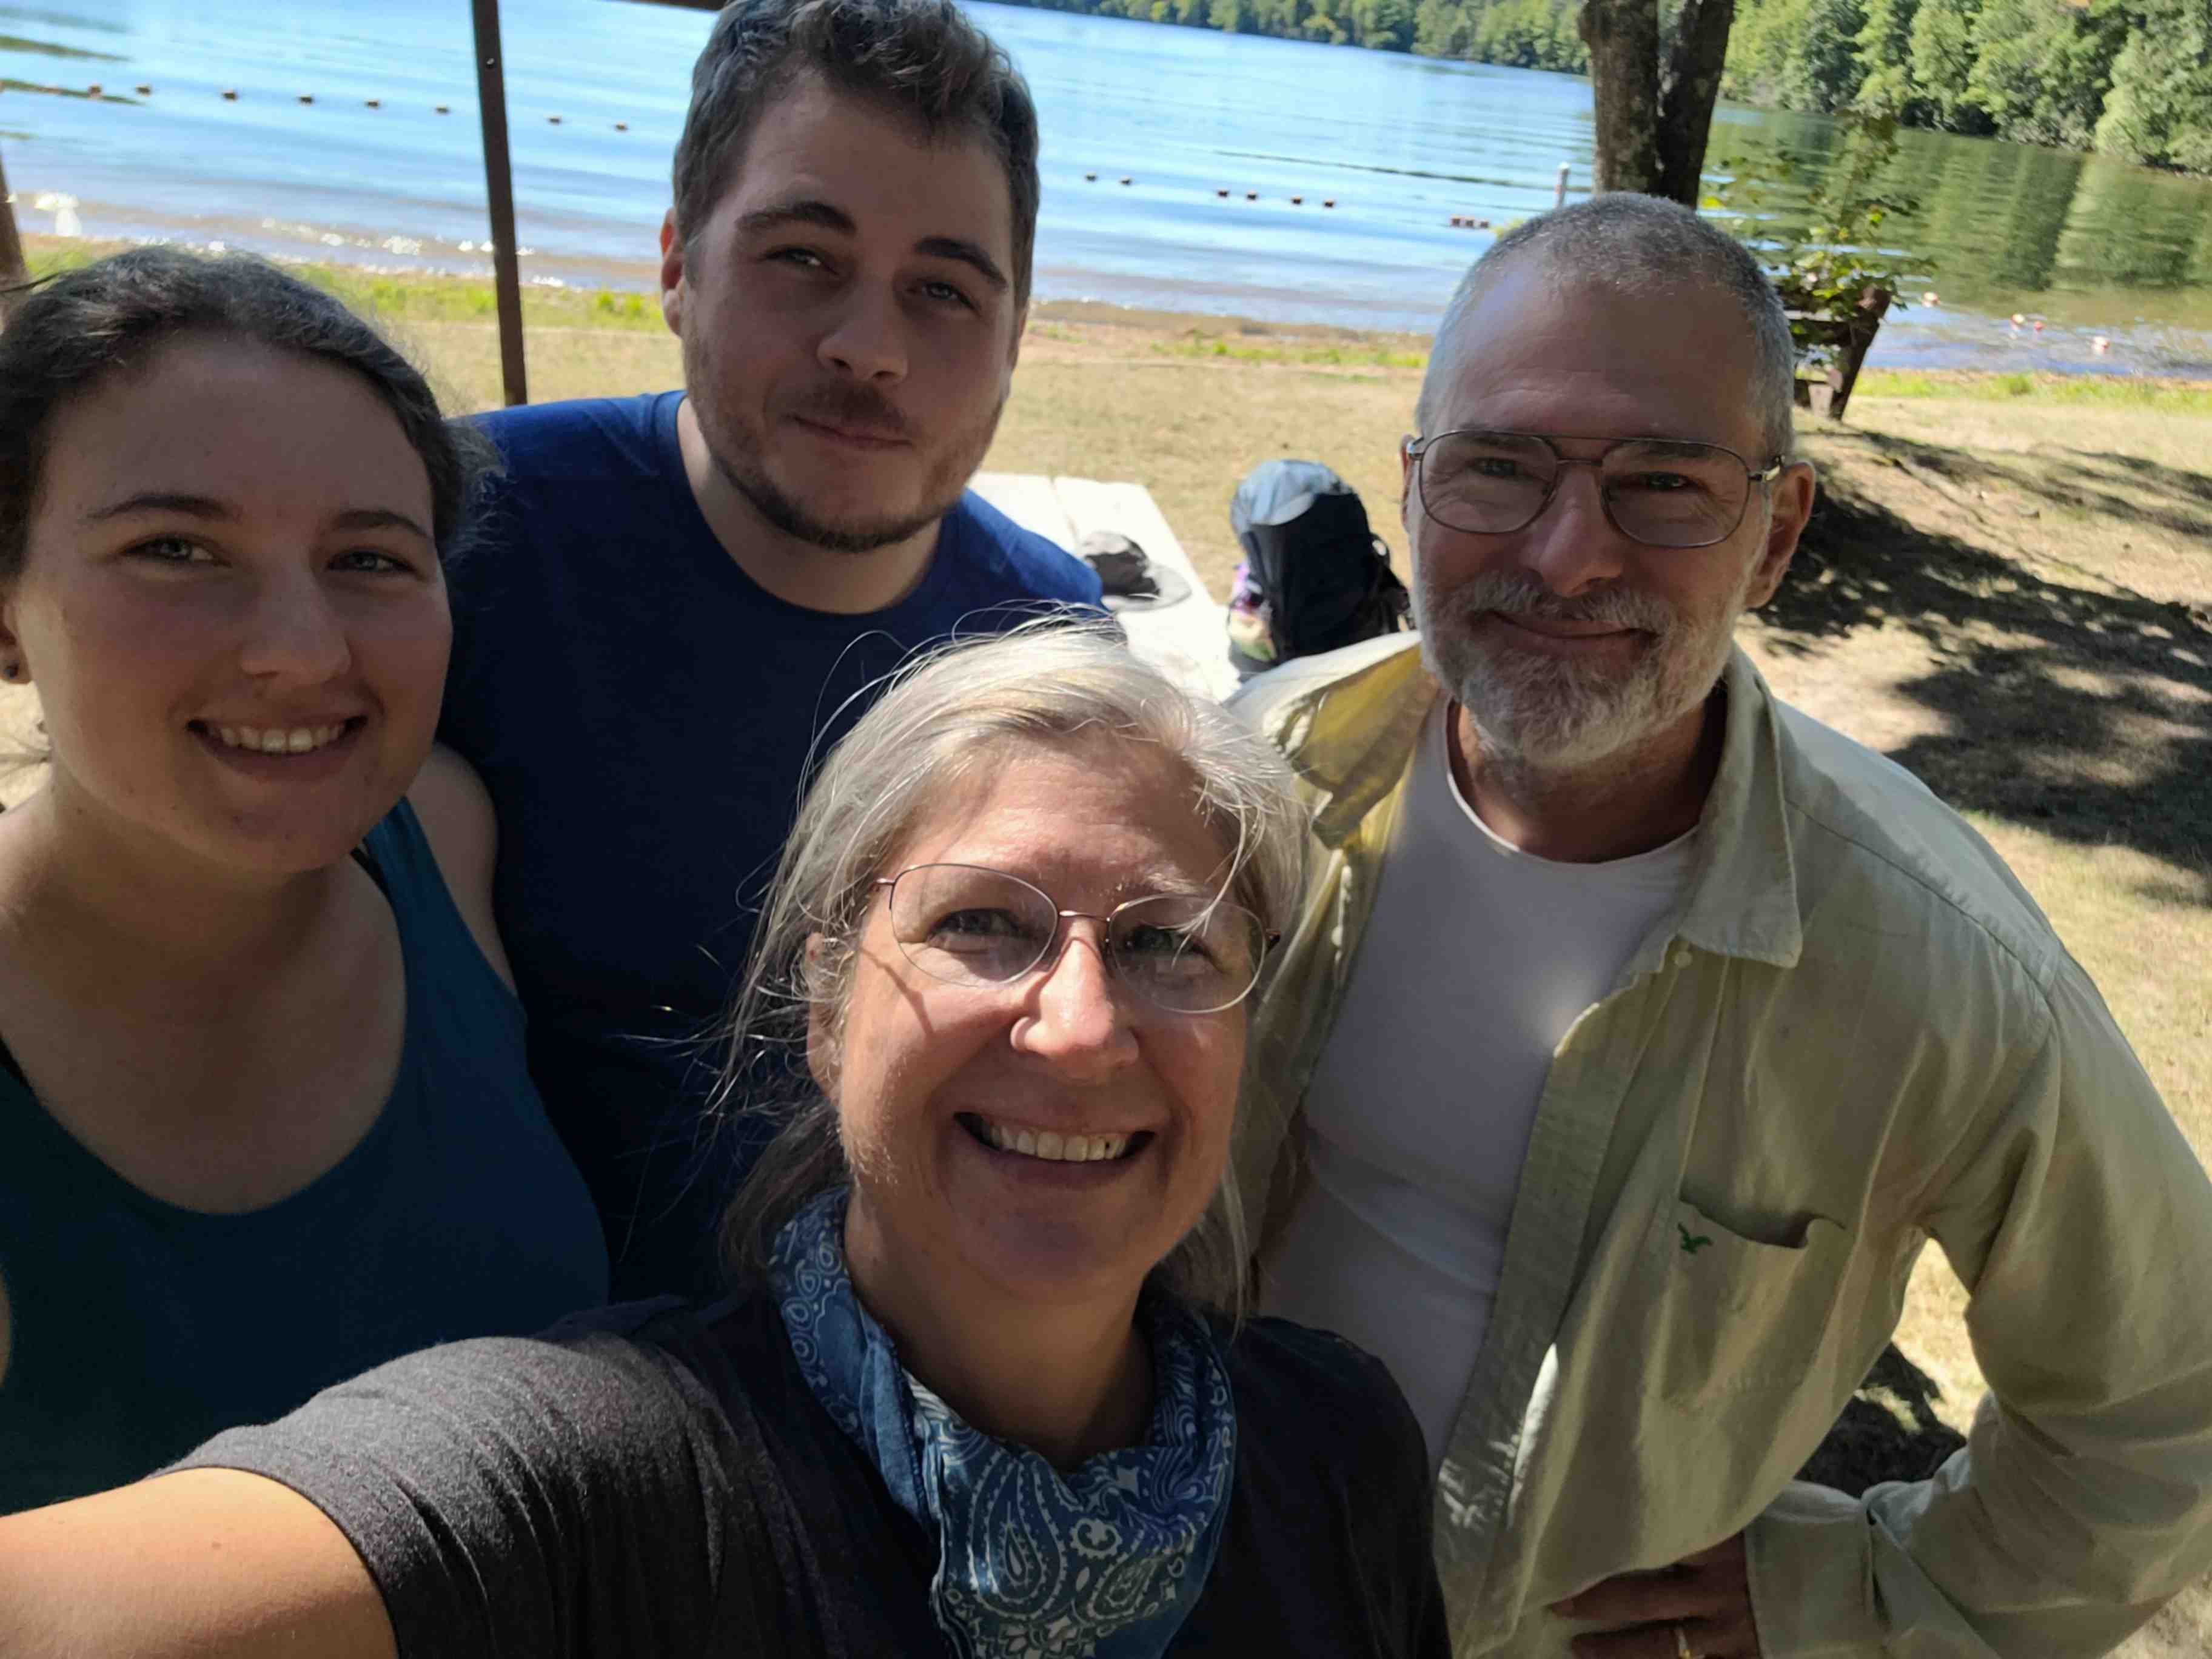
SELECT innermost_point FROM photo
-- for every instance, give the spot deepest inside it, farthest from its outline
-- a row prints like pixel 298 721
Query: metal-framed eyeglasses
pixel 1663 492
pixel 1187 953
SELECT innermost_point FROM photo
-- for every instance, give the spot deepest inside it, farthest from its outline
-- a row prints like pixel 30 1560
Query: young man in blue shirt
pixel 678 599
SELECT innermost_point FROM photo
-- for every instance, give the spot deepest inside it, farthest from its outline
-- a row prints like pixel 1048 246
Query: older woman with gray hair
pixel 982 1387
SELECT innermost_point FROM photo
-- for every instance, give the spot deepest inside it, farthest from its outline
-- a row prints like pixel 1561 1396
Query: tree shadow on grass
pixel 2083 711
pixel 1888 1431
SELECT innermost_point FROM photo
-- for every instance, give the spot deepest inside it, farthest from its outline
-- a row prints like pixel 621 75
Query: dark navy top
pixel 643 712
pixel 140 1328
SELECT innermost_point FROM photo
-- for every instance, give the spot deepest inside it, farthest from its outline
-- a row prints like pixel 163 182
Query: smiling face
pixel 928 1075
pixel 848 324
pixel 1567 642
pixel 231 606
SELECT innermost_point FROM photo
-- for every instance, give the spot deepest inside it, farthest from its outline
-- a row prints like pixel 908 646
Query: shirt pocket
pixel 1738 1312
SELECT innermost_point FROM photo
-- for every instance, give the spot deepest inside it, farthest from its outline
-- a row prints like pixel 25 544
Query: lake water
pixel 1401 144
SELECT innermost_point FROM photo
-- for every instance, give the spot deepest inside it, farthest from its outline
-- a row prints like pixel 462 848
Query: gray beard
pixel 1537 716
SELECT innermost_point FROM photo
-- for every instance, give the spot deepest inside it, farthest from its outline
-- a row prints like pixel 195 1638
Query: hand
pixel 1706 1596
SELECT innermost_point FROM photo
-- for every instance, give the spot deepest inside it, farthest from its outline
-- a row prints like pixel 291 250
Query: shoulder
pixel 558 1405
pixel 1014 562
pixel 1876 847
pixel 462 829
pixel 482 1482
pixel 1333 1402
pixel 597 434
pixel 1388 660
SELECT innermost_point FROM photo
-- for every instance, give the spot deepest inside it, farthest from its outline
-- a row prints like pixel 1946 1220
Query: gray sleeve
pixel 518 1498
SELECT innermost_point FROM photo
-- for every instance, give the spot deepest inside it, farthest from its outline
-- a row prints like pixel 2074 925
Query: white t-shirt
pixel 1477 960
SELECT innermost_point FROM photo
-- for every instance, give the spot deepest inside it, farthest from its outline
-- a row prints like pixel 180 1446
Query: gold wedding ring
pixel 1682 1648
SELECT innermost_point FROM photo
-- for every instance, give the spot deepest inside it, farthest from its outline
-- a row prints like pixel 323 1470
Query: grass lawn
pixel 2007 587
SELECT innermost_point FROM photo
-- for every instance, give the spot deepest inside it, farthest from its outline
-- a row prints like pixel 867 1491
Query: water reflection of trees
pixel 1995 222
pixel 2128 232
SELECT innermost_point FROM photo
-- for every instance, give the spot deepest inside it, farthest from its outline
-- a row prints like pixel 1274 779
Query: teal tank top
pixel 140 1329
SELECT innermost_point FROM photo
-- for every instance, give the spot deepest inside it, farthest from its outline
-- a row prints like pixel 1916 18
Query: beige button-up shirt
pixel 1857 1034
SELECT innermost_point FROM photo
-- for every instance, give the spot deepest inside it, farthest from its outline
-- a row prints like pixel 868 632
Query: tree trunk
pixel 1687 86
pixel 1622 37
pixel 11 249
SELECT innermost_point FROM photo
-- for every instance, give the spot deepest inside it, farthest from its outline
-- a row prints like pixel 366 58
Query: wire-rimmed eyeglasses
pixel 1663 492
pixel 1189 953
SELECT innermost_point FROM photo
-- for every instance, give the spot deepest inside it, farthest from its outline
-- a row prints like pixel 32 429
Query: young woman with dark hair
pixel 263 1114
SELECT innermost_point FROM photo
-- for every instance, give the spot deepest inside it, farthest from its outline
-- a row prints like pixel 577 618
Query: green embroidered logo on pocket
pixel 1693 1243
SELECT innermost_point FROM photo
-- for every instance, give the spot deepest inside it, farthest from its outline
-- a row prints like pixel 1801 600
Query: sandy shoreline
pixel 620 294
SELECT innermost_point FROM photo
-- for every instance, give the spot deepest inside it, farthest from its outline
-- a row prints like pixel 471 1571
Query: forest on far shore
pixel 2129 78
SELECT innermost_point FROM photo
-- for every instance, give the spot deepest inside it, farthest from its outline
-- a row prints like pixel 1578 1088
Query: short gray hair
pixel 1633 244
pixel 958 709
pixel 923 58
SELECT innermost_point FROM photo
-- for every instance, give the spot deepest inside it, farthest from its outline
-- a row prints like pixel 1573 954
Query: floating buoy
pixel 1328 201
pixel 2039 326
pixel 306 97
pixel 445 109
pixel 1126 181
pixel 231 93
pixel 1297 201
pixel 1222 194
pixel 621 126
pixel 1251 195
pixel 145 91
pixel 374 103
pixel 93 91
pixel 552 120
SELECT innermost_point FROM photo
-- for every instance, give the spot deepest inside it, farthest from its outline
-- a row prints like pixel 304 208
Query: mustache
pixel 854 407
pixel 1522 595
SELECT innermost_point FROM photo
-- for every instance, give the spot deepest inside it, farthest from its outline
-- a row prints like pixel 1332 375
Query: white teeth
pixel 1052 1146
pixel 279 739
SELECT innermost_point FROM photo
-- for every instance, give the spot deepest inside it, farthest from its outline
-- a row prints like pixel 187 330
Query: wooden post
pixel 499 180
pixel 1560 200
pixel 12 269
pixel 1843 369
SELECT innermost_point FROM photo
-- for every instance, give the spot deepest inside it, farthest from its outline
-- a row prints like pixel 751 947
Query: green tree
pixel 1942 58
pixel 2041 69
pixel 1822 70
pixel 1387 24
pixel 1760 50
pixel 2159 106
pixel 1885 51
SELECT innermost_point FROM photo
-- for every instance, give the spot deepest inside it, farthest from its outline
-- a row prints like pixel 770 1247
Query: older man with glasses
pixel 1641 1030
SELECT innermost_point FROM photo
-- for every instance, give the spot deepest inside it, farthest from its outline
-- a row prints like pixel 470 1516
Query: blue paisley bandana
pixel 1105 1562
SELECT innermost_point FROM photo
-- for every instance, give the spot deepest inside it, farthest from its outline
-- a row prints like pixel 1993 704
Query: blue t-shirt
pixel 643 712
pixel 139 1329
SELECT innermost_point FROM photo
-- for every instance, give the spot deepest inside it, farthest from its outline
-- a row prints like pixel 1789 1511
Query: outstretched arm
pixel 561 1499
pixel 205 1561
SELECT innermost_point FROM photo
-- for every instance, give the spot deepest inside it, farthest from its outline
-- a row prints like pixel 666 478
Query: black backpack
pixel 1315 577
